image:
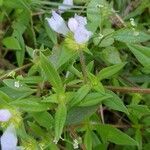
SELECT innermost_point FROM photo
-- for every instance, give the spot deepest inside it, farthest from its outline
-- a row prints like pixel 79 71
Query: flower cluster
pixel 76 25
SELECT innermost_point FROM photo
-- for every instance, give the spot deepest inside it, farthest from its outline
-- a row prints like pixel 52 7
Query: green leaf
pixel 60 118
pixel 111 134
pixel 78 114
pixel 138 110
pixel 88 140
pixel 51 34
pixel 97 10
pixel 115 103
pixel 61 55
pixel 110 55
pixel 94 99
pixel 12 43
pixel 4 99
pixel 30 105
pixel 51 74
pixel 131 36
pixel 110 71
pixel 44 119
pixel 17 85
pixel 23 4
pixel 80 94
pixel 141 53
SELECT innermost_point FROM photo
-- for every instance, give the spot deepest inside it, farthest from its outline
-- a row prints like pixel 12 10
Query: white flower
pixel 82 21
pixel 5 115
pixel 9 139
pixel 66 2
pixel 73 24
pixel 82 35
pixel 57 23
pixel 76 25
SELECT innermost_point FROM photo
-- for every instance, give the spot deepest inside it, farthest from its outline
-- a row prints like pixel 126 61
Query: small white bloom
pixel 5 115
pixel 82 21
pixel 57 23
pixel 9 139
pixel 73 24
pixel 75 144
pixel 132 22
pixel 17 84
pixel 66 2
pixel 55 141
pixel 82 35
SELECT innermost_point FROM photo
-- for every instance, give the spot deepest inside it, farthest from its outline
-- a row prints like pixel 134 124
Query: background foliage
pixel 41 79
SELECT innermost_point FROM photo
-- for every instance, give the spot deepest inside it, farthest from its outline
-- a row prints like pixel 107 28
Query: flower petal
pixel 66 2
pixel 57 23
pixel 81 20
pixel 72 24
pixel 9 139
pixel 82 35
pixel 5 115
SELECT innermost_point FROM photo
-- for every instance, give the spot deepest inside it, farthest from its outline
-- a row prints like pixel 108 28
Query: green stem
pixel 83 66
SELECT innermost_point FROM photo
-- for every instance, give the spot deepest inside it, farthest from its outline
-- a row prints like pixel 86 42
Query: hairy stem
pixel 83 66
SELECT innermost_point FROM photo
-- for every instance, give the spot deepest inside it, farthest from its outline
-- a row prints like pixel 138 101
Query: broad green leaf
pixel 138 110
pixel 94 99
pixel 80 94
pixel 115 103
pixel 111 134
pixel 88 140
pixel 61 55
pixel 14 94
pixel 23 4
pixel 110 55
pixel 44 119
pixel 51 74
pixel 60 118
pixel 36 129
pixel 30 105
pixel 97 10
pixel 78 114
pixel 110 71
pixel 131 36
pixel 141 53
pixel 11 43
pixel 17 85
pixel 4 99
pixel 1 2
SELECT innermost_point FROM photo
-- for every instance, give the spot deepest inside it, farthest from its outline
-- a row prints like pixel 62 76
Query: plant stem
pixel 83 66
pixel 128 89
pixel 123 89
pixel 15 70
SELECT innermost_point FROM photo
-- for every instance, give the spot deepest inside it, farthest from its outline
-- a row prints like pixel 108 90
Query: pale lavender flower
pixel 82 35
pixel 76 25
pixel 73 24
pixel 9 139
pixel 57 23
pixel 5 115
pixel 66 2
pixel 82 21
